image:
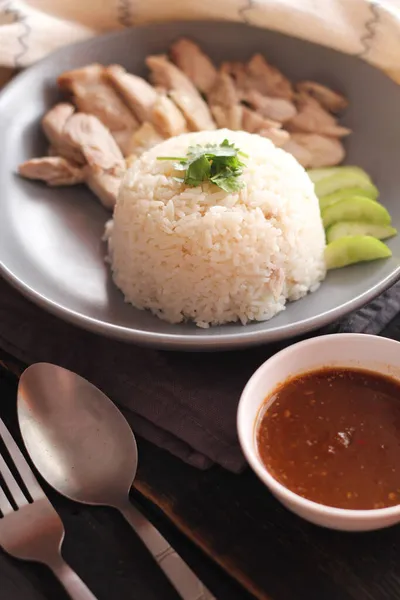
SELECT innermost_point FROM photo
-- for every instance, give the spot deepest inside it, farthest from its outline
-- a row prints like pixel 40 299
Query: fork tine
pixel 5 506
pixel 22 466
pixel 11 483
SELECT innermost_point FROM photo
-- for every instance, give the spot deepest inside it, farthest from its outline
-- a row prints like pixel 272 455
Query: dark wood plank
pixel 234 519
pixel 102 549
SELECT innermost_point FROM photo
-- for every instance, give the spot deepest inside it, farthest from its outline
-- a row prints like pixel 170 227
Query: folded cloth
pixel 369 29
pixel 183 402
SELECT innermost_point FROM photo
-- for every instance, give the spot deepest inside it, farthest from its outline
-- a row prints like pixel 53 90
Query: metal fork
pixel 33 531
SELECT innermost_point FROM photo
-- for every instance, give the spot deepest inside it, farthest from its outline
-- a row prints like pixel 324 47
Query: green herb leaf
pixel 219 164
pixel 180 158
pixel 197 171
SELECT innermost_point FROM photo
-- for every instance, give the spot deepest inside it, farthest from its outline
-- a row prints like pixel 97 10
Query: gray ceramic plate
pixel 50 242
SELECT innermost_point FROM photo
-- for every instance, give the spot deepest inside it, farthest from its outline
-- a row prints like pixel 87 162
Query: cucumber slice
pixel 318 174
pixel 346 228
pixel 356 209
pixel 343 194
pixel 345 179
pixel 353 249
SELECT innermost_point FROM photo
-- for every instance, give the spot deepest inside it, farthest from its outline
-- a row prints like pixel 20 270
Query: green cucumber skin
pixel 345 194
pixel 354 249
pixel 351 228
pixel 357 209
pixel 331 184
pixel 324 172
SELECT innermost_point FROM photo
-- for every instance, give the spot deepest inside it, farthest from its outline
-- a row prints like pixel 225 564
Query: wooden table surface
pixel 232 520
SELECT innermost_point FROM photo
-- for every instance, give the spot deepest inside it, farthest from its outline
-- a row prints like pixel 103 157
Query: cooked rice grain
pixel 213 257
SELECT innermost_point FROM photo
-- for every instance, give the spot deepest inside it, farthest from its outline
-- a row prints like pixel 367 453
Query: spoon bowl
pixel 77 438
pixel 82 445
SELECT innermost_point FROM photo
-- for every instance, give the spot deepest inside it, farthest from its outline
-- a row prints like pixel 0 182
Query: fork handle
pixel 186 583
pixel 72 583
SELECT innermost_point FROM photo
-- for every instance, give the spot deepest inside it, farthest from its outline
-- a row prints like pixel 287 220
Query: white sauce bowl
pixel 369 352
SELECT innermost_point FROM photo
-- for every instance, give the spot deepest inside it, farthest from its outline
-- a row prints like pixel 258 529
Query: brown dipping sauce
pixel 333 436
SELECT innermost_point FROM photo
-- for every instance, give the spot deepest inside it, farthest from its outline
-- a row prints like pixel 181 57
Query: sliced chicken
pixel 228 117
pixel 279 137
pixel 143 139
pixel 277 109
pixel 299 151
pixel 258 75
pixel 167 117
pixel 237 70
pixel 223 100
pixel 53 124
pixel 223 92
pixel 254 122
pixel 54 170
pixel 313 150
pixel 93 94
pixel 329 99
pixel 105 186
pixel 137 93
pixel 182 91
pixel 194 63
pixel 104 168
pixel 268 80
pixel 313 118
pixel 94 140
pixel 105 163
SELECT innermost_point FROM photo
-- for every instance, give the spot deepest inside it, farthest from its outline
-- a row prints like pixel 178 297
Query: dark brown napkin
pixel 183 402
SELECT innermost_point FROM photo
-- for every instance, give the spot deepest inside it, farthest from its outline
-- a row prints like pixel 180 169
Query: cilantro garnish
pixel 219 164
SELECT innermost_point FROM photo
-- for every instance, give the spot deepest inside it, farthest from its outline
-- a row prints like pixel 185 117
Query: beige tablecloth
pixel 370 29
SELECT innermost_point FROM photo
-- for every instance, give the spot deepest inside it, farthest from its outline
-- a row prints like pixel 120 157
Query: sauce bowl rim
pixel 249 445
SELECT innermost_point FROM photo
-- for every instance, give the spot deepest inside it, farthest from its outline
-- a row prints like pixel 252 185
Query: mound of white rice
pixel 210 256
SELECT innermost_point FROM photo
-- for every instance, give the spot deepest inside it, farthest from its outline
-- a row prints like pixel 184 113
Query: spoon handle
pixel 72 583
pixel 186 583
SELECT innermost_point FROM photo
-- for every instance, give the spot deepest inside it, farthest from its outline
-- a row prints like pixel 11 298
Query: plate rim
pixel 189 342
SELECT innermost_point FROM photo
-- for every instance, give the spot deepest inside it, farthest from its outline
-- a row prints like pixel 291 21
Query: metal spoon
pixel 84 448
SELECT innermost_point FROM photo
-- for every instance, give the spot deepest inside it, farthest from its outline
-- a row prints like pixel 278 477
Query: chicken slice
pixel 260 76
pixel 194 63
pixel 266 79
pixel 167 117
pixel 277 109
pixel 94 140
pixel 54 170
pixel 279 137
pixel 105 186
pixel 329 99
pixel 53 124
pixel 105 163
pixel 228 117
pixel 182 91
pixel 143 139
pixel 313 150
pixel 223 92
pixel 93 94
pixel 313 118
pixel 254 122
pixel 237 71
pixel 138 94
pixel 224 103
pixel 300 152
